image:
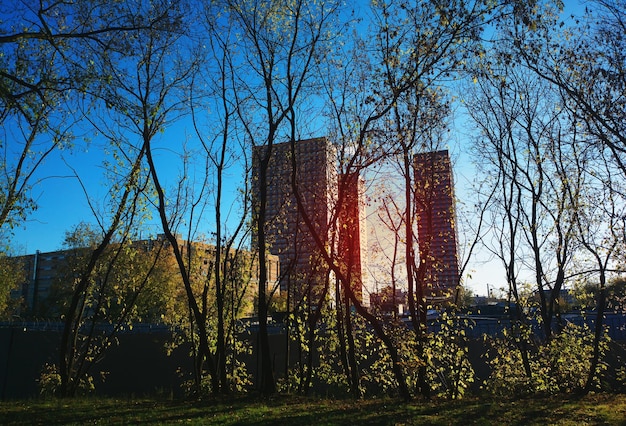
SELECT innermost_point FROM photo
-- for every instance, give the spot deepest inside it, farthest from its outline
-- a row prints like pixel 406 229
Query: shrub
pixel 559 365
pixel 50 382
pixel 449 370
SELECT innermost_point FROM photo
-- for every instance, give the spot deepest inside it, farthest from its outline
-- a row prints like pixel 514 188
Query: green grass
pixel 601 409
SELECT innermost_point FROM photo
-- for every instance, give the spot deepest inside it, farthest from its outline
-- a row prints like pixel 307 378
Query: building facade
pixel 436 224
pixel 50 275
pixel 389 301
pixel 352 249
pixel 41 271
pixel 304 273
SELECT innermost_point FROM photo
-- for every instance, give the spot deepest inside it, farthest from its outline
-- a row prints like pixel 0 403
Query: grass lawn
pixel 601 409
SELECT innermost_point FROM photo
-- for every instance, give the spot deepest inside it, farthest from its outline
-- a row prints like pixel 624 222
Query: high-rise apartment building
pixel 436 223
pixel 303 271
pixel 352 249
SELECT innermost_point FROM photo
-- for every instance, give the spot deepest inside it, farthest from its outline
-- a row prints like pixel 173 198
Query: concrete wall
pixel 138 365
pixel 22 357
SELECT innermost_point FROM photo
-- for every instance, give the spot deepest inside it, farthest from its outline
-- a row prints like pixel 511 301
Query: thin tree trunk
pixel 598 334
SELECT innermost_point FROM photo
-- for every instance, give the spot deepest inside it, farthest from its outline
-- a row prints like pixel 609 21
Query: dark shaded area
pixel 139 365
pixel 597 409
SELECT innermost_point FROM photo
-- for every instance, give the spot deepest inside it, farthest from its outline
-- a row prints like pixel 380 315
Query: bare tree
pixel 41 73
pixel 591 185
pixel 561 53
pixel 224 150
pixel 526 144
pixel 278 42
pixel 147 78
pixel 419 48
pixel 108 44
pixel 566 73
pixel 357 135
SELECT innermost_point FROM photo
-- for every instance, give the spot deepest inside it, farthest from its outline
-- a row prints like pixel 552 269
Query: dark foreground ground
pixel 600 409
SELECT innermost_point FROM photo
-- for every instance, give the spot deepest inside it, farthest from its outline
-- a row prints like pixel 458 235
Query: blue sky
pixel 62 203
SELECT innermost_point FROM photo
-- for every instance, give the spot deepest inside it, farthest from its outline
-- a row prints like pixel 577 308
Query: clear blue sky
pixel 62 203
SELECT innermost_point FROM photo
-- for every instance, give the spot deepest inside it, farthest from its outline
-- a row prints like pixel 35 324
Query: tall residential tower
pixel 303 271
pixel 436 223
pixel 352 249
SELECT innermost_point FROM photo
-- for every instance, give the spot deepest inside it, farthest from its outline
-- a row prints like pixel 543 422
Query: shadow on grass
pixel 598 409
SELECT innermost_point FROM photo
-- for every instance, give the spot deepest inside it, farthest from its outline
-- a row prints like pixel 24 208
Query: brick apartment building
pixel 436 223
pixel 42 271
pixel 303 271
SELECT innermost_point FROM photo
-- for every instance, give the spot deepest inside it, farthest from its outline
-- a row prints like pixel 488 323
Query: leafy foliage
pixel 586 295
pixel 237 299
pixel 560 365
pixel 11 276
pixel 450 371
pixel 548 101
pixel 50 382
pixel 105 292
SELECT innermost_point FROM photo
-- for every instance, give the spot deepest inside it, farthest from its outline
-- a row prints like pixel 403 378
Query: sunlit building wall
pixel 303 271
pixel 436 223
pixel 44 270
pixel 352 249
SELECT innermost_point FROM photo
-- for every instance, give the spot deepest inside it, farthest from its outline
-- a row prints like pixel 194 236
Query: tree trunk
pixel 598 334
